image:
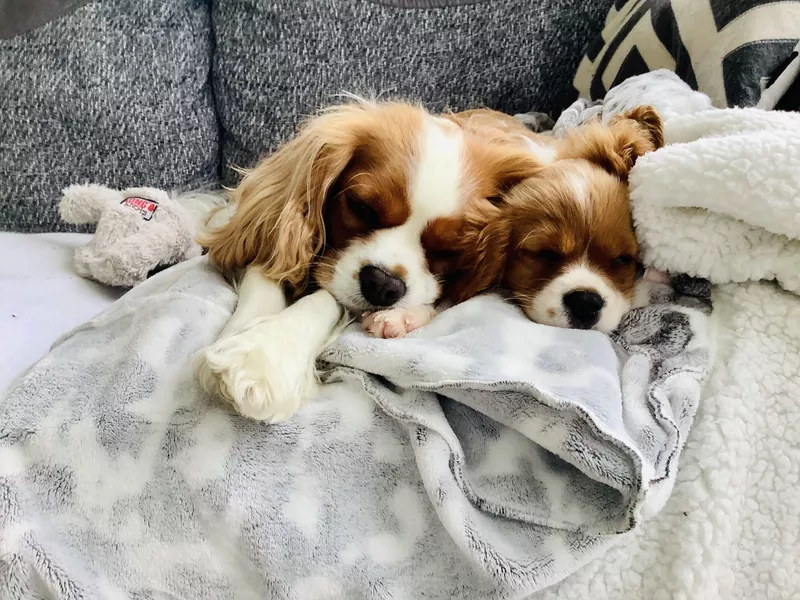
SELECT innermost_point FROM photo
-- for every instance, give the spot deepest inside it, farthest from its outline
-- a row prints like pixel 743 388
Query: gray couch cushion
pixel 279 60
pixel 117 93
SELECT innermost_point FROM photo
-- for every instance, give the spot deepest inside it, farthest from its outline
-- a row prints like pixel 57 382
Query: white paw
pixel 396 322
pixel 259 371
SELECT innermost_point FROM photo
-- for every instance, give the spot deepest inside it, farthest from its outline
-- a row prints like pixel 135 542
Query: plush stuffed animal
pixel 139 230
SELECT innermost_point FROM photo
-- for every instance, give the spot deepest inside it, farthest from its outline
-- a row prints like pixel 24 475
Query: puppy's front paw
pixel 396 322
pixel 257 372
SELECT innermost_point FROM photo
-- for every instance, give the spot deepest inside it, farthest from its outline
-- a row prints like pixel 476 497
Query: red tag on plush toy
pixel 145 207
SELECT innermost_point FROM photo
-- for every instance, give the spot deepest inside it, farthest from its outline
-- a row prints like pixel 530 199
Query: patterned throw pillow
pixel 729 49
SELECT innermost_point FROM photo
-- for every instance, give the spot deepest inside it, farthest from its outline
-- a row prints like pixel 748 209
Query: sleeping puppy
pixel 344 215
pixel 561 241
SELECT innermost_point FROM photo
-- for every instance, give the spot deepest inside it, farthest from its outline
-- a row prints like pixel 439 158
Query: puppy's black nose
pixel 583 308
pixel 379 287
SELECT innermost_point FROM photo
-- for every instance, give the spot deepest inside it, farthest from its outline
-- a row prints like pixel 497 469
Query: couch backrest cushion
pixel 277 61
pixel 116 93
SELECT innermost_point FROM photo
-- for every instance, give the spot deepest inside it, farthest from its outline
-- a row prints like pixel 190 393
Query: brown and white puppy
pixel 562 241
pixel 341 216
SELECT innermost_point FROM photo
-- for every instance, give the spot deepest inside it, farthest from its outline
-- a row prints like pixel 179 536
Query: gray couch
pixel 172 93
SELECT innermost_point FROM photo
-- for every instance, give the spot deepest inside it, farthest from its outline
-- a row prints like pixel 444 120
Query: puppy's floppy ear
pixel 616 147
pixel 278 224
pixel 485 239
pixel 499 167
pixel 475 247
pixel 476 242
pixel 469 251
pixel 515 167
pixel 649 121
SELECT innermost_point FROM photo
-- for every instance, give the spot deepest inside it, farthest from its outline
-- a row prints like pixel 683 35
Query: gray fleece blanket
pixel 484 456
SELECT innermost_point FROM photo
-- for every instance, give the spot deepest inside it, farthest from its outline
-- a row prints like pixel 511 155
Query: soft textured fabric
pixel 19 16
pixel 724 48
pixel 661 89
pixel 728 531
pixel 483 456
pixel 730 181
pixel 116 93
pixel 277 61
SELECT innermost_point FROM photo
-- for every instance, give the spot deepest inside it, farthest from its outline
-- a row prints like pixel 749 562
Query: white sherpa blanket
pixel 721 201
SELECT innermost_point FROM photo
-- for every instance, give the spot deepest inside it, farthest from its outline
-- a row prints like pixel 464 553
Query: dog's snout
pixel 583 308
pixel 379 287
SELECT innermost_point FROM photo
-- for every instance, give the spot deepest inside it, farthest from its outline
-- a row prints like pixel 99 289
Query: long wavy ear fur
pixel 278 222
pixel 469 251
pixel 486 234
pixel 616 147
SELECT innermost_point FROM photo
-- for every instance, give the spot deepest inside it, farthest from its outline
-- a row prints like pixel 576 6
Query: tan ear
pixel 649 121
pixel 486 250
pixel 498 167
pixel 470 250
pixel 616 147
pixel 278 222
pixel 477 246
pixel 515 167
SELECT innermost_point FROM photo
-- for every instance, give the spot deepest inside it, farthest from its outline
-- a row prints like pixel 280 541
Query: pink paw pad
pixel 397 322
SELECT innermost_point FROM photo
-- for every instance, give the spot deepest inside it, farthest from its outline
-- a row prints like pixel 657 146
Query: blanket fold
pixel 721 200
pixel 485 456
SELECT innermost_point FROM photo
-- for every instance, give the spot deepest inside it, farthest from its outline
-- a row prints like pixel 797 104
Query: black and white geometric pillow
pixel 729 49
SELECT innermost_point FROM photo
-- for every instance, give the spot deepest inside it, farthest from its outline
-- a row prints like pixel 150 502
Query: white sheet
pixel 41 297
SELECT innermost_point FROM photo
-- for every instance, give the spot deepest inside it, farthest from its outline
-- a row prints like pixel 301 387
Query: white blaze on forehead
pixel 435 190
pixel 436 178
pixel 579 187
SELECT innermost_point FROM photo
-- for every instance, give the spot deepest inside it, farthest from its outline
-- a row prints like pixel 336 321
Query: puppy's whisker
pixel 523 298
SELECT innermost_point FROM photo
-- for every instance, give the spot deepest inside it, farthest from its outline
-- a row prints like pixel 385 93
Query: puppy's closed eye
pixel 543 256
pixel 549 256
pixel 362 211
pixel 624 260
